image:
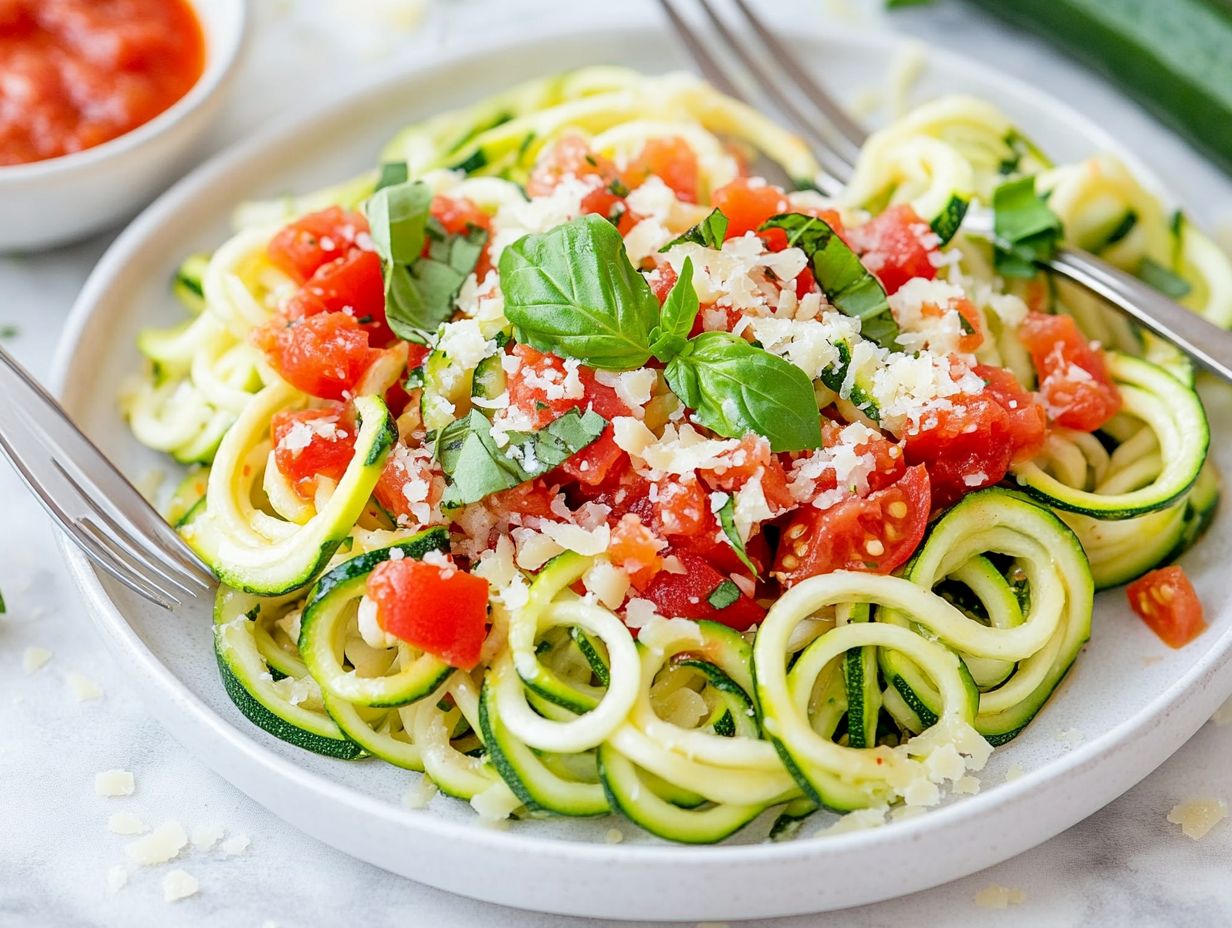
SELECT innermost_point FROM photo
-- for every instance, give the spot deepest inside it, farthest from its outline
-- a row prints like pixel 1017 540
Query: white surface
pixel 1121 865
pixel 63 199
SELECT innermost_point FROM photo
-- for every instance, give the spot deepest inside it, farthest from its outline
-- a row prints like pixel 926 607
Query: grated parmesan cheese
pixel 117 878
pixel 235 845
pixel 999 897
pixel 178 885
pixel 34 658
pixel 420 793
pixel 125 823
pixel 1198 816
pixel 82 688
pixel 164 843
pixel 114 783
pixel 204 837
pixel 640 612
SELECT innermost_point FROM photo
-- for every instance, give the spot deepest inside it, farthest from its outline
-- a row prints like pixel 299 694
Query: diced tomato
pixel 805 283
pixel 595 462
pixel 753 458
pixel 747 203
pixel 681 506
pixel 352 283
pixel 1027 420
pixel 442 610
pixel 663 281
pixel 1073 378
pixel 304 245
pixel 895 246
pixel 876 533
pixel 672 160
pixel 409 486
pixel 1165 600
pixel 966 446
pixel 533 498
pixel 324 355
pixel 635 548
pixel 571 157
pixel 687 595
pixel 312 442
pixel 974 336
pixel 457 215
pixel 529 386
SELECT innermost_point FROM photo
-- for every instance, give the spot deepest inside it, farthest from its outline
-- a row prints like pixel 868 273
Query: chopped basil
pixel 1025 230
pixel 734 388
pixel 1167 282
pixel 392 174
pixel 727 519
pixel 724 594
pixel 710 232
pixel 677 316
pixel 572 291
pixel 1122 229
pixel 420 290
pixel 9 331
pixel 476 467
pixel 846 282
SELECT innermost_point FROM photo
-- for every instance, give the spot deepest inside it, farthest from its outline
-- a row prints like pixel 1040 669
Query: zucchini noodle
pixel 869 684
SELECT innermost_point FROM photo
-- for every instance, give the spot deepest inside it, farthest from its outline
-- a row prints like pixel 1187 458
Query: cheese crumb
pixel 1014 773
pixel 1223 715
pixel 34 658
pixel 418 795
pixel 164 843
pixel 179 885
pixel 858 820
pixel 125 823
pixel 204 837
pixel 999 897
pixel 117 879
pixel 234 846
pixel 614 836
pixel 1198 816
pixel 114 783
pixel 83 689
pixel 966 786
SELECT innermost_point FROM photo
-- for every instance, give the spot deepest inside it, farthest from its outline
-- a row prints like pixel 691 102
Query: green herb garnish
pixel 1025 231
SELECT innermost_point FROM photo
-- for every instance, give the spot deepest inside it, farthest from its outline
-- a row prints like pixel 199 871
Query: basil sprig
pixel 727 519
pixel 849 286
pixel 710 232
pixel 1025 230
pixel 572 291
pixel 475 467
pixel 420 289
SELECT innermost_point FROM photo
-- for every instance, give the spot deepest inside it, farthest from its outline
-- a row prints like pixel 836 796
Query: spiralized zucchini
pixel 859 692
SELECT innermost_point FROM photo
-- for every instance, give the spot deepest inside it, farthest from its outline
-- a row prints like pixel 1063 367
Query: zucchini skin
pixel 1170 55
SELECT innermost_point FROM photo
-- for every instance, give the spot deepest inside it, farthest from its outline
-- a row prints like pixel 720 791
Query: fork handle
pixel 1205 342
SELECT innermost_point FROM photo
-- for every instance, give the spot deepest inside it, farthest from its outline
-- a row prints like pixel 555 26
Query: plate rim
pixel 1194 684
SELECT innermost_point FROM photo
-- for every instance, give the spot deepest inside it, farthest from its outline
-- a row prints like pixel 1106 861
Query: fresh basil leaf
pixel 392 174
pixel 727 519
pixel 420 296
pixel 677 316
pixel 398 217
pixel 476 468
pixel 1025 230
pixel 710 232
pixel 734 388
pixel 847 283
pixel 573 292
pixel 1166 281
pixel 724 594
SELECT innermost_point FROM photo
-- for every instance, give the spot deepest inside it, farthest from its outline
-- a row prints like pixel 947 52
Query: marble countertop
pixel 1126 865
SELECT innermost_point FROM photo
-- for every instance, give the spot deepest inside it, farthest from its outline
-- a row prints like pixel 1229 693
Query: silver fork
pixel 770 65
pixel 100 511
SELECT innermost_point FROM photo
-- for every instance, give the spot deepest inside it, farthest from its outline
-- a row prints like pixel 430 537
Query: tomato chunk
pixel 672 160
pixel 352 283
pixel 1074 381
pixel 442 610
pixel 876 533
pixel 312 442
pixel 410 486
pixel 457 215
pixel 324 355
pixel 687 595
pixel 533 498
pixel 635 548
pixel 1165 600
pixel 896 246
pixel 966 447
pixel 747 203
pixel 304 245
pixel 1028 422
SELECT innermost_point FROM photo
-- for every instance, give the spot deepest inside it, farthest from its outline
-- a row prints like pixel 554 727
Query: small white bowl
pixel 63 199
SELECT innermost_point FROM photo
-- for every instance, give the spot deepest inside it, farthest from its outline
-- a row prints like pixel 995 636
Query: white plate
pixel 1133 701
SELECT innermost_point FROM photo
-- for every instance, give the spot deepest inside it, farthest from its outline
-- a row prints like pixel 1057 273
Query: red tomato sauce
pixel 77 73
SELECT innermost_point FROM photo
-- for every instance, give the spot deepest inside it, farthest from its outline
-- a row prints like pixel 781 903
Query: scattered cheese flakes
pixel 162 844
pixel 179 885
pixel 83 688
pixel 1014 773
pixel 235 845
pixel 608 582
pixel 495 803
pixel 117 878
pixel 419 794
pixel 999 897
pixel 114 783
pixel 588 542
pixel 614 836
pixel 1198 816
pixel 858 820
pixel 204 837
pixel 966 786
pixel 125 823
pixel 34 658
pixel 370 627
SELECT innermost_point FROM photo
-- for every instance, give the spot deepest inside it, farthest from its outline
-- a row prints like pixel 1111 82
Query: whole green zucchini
pixel 1173 56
